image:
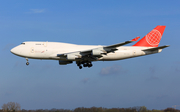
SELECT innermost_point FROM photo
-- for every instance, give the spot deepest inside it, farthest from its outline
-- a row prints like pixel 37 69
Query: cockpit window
pixel 22 43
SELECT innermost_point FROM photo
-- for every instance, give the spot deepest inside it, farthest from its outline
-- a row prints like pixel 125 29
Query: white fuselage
pixel 49 50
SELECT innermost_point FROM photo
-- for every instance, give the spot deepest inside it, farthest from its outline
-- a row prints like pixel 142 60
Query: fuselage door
pixel 32 50
pixel 45 44
pixel 134 53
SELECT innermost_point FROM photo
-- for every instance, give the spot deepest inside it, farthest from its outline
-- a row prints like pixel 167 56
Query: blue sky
pixel 151 81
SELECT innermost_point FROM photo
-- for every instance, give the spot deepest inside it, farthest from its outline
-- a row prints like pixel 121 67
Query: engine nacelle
pixel 71 57
pixel 64 62
pixel 97 52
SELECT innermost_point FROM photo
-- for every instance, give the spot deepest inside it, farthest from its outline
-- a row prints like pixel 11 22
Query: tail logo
pixel 153 38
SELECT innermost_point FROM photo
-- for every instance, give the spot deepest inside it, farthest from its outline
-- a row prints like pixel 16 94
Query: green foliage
pixel 171 110
pixel 143 109
pixel 157 111
pixel 100 109
pixel 11 107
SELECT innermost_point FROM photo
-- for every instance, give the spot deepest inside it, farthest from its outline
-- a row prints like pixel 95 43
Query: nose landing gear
pixel 27 63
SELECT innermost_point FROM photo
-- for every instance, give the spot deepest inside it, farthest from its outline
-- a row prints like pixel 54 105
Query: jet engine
pixel 71 57
pixel 97 52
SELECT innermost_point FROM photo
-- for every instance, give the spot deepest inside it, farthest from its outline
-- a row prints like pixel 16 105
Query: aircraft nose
pixel 14 50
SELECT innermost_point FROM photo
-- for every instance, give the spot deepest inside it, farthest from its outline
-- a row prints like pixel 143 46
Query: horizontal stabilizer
pixel 156 48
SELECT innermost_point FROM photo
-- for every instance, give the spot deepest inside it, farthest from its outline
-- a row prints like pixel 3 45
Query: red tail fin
pixel 153 38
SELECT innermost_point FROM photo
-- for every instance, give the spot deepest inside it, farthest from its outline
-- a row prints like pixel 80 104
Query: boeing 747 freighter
pixel 84 55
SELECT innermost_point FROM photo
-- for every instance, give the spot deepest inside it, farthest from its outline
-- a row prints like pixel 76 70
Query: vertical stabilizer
pixel 153 38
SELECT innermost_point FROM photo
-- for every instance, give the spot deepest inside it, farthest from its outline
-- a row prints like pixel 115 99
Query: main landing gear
pixel 85 64
pixel 27 63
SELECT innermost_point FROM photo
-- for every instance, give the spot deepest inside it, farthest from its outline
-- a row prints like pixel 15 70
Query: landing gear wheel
pixel 89 65
pixel 78 64
pixel 80 67
pixel 85 65
pixel 27 63
pixel 81 64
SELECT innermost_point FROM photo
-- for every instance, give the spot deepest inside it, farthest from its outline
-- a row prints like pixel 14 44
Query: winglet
pixel 135 39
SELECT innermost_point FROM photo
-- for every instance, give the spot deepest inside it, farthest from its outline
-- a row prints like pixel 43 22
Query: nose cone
pixel 14 51
pixel 20 51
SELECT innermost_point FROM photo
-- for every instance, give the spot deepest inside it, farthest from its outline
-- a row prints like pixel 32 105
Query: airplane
pixel 84 55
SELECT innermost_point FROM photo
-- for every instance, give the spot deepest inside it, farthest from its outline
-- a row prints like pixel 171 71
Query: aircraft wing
pixel 123 43
pixel 112 47
pixel 91 54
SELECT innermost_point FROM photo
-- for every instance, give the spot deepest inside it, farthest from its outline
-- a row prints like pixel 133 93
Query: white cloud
pixel 85 80
pixel 116 69
pixel 152 78
pixel 37 10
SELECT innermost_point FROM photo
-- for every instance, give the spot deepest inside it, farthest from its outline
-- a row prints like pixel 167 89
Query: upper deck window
pixel 22 43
